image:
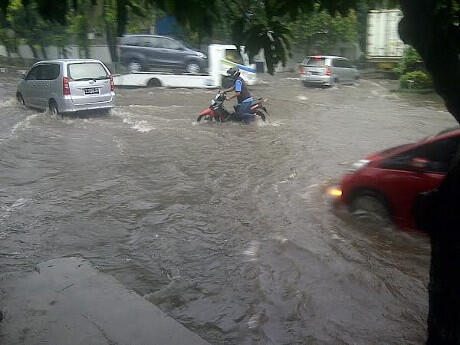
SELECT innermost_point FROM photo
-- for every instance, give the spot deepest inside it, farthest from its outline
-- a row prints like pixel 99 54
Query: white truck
pixel 221 58
pixel 384 46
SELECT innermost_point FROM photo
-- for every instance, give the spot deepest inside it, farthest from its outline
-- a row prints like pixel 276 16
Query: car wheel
pixel 154 82
pixel 369 205
pixel 192 68
pixel 20 99
pixel 134 66
pixel 53 108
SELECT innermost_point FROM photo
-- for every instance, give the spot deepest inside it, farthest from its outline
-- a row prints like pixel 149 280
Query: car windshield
pixel 87 71
pixel 315 61
pixel 234 56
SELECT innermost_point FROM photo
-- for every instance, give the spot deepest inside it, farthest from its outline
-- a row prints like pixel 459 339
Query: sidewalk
pixel 67 302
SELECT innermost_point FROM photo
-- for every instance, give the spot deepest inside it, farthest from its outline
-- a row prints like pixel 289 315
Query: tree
pixel 29 26
pixel 319 32
pixel 260 25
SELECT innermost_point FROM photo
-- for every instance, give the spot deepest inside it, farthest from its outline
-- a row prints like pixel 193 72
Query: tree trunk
pixel 34 51
pixel 111 43
pixel 110 39
pixel 43 50
pixel 430 28
pixel 8 54
pixel 63 51
pixel 122 16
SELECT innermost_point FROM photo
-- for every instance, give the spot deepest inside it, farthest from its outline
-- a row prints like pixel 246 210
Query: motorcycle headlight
pixel 359 165
pixel 213 101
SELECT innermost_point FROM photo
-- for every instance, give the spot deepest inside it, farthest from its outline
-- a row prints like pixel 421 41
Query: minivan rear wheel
pixel 20 99
pixel 53 108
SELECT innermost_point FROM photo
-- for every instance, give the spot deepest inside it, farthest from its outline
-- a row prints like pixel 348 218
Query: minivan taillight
pixel 302 70
pixel 65 86
pixel 328 70
pixel 112 85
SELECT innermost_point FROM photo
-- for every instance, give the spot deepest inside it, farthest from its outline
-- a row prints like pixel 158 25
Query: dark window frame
pixel 433 152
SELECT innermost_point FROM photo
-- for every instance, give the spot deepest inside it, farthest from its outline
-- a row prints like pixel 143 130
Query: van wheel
pixel 20 99
pixel 369 205
pixel 192 68
pixel 53 109
pixel 134 66
pixel 154 82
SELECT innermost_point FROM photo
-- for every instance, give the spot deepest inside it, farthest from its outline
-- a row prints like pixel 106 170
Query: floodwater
pixel 224 226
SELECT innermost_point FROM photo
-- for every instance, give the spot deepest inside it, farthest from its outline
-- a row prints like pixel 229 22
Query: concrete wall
pixel 100 52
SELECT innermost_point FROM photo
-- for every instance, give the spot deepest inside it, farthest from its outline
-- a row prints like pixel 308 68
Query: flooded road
pixel 224 226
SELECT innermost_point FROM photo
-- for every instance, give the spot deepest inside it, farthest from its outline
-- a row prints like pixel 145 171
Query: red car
pixel 386 183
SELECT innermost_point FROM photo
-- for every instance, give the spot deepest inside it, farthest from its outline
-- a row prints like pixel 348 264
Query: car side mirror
pixel 419 164
pixel 22 75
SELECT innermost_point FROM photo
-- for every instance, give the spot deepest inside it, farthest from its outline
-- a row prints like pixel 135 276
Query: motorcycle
pixel 217 111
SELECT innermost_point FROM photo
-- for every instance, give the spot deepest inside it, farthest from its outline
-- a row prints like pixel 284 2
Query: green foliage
pixel 410 62
pixel 416 80
pixel 272 37
pixel 411 71
pixel 7 39
pixel 320 31
pixel 140 20
pixel 79 29
pixel 256 24
pixel 29 26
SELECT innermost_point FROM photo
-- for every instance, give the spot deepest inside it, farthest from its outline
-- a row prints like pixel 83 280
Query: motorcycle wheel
pixel 204 117
pixel 261 114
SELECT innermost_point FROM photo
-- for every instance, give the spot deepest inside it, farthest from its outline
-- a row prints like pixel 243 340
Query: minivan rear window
pixel 315 61
pixel 87 71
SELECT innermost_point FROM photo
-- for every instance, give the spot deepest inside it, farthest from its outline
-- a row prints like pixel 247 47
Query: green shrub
pixel 416 80
pixel 411 61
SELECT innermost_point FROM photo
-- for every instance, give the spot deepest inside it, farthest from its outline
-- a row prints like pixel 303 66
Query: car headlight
pixel 359 165
pixel 201 55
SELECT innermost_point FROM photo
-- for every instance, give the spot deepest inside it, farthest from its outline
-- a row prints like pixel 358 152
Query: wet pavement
pixel 225 227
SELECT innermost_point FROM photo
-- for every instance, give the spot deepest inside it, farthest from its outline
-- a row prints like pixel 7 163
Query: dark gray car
pixel 145 52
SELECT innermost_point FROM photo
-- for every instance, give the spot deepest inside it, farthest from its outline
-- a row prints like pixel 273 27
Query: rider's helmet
pixel 233 72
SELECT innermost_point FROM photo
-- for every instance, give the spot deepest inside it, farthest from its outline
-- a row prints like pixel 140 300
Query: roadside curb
pixel 67 301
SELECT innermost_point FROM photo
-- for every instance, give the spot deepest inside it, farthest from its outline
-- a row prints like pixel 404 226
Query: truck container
pixel 384 46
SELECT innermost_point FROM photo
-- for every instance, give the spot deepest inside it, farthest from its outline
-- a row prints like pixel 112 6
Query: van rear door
pixel 315 65
pixel 89 83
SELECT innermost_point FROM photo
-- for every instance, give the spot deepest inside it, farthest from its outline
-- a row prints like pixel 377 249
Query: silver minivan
pixel 67 85
pixel 327 70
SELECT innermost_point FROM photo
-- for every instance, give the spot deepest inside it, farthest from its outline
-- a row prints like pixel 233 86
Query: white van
pixel 327 70
pixel 67 85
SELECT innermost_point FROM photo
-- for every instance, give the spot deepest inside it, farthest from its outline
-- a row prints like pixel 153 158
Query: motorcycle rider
pixel 243 95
